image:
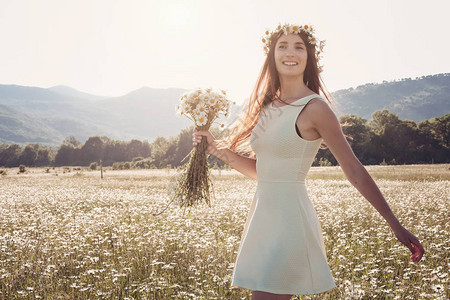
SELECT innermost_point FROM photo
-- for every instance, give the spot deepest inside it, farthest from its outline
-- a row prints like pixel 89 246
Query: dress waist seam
pixel 292 181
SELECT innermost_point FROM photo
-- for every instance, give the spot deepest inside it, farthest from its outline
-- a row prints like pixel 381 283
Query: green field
pixel 67 234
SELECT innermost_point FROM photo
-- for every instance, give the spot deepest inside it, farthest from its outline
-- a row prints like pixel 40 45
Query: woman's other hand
pixel 410 240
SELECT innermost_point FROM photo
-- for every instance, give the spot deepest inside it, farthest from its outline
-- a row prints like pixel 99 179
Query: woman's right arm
pixel 242 164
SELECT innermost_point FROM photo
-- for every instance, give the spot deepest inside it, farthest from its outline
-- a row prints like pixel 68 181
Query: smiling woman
pixel 282 250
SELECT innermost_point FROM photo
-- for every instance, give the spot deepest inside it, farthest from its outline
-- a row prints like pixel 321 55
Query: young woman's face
pixel 290 55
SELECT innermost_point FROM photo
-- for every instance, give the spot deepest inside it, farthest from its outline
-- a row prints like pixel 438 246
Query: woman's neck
pixel 292 87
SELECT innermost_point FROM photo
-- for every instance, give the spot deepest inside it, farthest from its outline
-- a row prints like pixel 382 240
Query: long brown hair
pixel 266 90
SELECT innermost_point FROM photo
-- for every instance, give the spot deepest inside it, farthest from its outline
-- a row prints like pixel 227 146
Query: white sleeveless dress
pixel 282 249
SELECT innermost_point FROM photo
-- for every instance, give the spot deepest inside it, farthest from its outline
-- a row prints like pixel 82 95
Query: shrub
pixel 117 166
pixel 3 172
pixel 121 165
pixel 323 162
pixel 93 166
pixel 22 168
pixel 142 164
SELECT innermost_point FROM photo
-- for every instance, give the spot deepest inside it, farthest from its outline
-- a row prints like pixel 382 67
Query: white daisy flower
pixel 201 120
pixel 211 101
pixel 287 29
pixel 185 108
pixel 201 107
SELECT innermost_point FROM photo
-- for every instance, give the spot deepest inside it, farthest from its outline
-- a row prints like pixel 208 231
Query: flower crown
pixel 289 28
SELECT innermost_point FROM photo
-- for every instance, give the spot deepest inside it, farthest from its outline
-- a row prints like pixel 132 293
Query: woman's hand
pixel 211 145
pixel 410 240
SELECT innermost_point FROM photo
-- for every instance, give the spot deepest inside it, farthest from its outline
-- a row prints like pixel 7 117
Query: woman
pixel 282 252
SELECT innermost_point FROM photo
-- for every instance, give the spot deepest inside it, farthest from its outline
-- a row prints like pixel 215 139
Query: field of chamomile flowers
pixel 66 233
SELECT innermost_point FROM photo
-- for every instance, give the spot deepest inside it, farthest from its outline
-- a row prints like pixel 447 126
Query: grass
pixel 400 172
pixel 75 236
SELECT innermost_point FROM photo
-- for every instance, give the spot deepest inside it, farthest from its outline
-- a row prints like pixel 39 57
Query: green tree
pixel 93 149
pixel 164 151
pixel 434 139
pixel 438 128
pixel 146 149
pixel 69 153
pixel 29 155
pixel 44 157
pixel 9 155
pixel 134 149
pixel 114 151
pixel 73 142
pixel 184 146
pixel 359 135
pixel 65 155
pixel 396 137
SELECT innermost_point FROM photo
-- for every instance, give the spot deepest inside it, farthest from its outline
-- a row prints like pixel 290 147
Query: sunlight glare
pixel 176 18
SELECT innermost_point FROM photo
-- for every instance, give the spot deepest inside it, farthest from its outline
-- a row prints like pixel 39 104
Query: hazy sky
pixel 113 47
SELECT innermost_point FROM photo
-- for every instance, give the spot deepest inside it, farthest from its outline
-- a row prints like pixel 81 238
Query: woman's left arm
pixel 325 122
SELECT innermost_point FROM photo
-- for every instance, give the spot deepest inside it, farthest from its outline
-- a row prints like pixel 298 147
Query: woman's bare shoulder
pixel 318 106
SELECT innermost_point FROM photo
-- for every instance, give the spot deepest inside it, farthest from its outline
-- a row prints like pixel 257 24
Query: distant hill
pixel 411 99
pixel 47 116
pixel 68 91
pixel 20 128
pixel 56 115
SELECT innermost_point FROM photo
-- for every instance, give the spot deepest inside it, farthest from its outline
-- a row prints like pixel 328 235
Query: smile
pixel 289 63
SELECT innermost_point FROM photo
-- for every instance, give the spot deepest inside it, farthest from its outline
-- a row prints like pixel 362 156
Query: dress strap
pixel 298 102
pixel 305 100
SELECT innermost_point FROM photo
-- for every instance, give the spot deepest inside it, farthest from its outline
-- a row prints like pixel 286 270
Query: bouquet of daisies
pixel 203 107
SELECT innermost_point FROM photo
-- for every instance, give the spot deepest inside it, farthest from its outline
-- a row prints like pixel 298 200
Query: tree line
pixel 385 139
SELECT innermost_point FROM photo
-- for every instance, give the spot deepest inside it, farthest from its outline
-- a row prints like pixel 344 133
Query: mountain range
pixel 49 115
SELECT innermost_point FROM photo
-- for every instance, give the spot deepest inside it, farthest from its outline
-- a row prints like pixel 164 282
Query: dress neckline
pixel 271 103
